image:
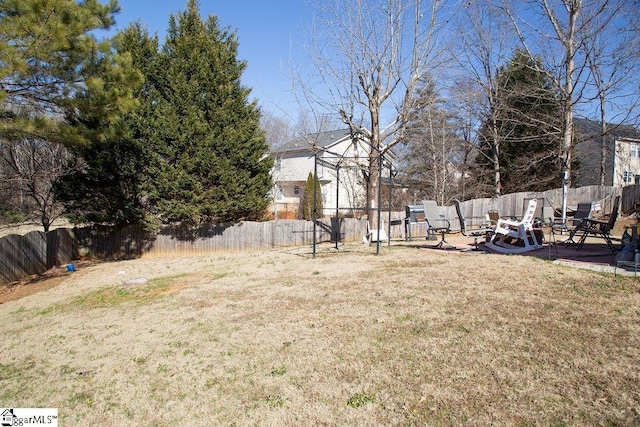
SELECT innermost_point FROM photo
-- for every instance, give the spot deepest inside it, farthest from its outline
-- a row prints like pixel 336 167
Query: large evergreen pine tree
pixel 192 150
pixel 111 188
pixel 52 63
pixel 214 153
pixel 529 127
pixel 59 86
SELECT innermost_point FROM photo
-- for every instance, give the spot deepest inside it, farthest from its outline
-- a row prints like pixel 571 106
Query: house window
pixel 634 149
pixel 627 177
pixel 296 190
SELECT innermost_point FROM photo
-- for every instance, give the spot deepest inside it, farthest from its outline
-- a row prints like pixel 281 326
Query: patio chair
pixel 436 223
pixel 514 237
pixel 372 235
pixel 600 228
pixel 571 225
pixel 473 226
pixel 538 216
pixel 493 216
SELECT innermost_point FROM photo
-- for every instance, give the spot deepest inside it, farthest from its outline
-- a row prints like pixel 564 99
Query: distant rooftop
pixel 588 129
pixel 321 139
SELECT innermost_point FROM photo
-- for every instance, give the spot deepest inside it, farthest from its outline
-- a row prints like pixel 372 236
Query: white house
pixel 626 162
pixel 341 159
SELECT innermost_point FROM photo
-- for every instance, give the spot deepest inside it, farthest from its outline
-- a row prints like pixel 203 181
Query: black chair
pixel 571 225
pixel 600 228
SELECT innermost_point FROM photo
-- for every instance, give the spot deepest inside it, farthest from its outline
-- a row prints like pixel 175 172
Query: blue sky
pixel 268 31
pixel 270 34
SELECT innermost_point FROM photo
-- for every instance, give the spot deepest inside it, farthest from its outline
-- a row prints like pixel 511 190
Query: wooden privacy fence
pixel 35 252
pixel 630 198
pixel 183 240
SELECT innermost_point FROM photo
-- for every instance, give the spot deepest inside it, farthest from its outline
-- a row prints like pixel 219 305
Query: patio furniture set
pixel 515 236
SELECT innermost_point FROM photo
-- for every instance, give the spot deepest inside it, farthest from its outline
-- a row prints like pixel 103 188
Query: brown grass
pixel 409 337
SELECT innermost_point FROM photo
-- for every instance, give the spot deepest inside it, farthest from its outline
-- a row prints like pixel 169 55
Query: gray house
pixel 622 154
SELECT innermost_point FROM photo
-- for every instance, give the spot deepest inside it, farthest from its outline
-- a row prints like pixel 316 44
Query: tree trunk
pixel 603 142
pixel 567 140
pixel 373 196
pixel 372 190
pixel 497 181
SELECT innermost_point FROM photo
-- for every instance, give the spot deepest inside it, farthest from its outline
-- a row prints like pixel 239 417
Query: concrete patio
pixel 594 255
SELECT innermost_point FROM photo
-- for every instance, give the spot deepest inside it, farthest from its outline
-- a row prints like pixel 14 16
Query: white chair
pixel 515 237
pixel 374 235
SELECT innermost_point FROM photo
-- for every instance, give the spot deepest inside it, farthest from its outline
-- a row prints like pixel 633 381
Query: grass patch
pixel 118 295
pixel 279 371
pixel 82 398
pixel 358 400
pixel 275 401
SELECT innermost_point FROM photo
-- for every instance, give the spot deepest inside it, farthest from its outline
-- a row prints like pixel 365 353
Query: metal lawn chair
pixel 600 228
pixel 571 225
pixel 436 223
pixel 473 226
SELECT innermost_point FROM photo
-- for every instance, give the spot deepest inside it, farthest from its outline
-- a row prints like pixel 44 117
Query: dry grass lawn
pixel 409 337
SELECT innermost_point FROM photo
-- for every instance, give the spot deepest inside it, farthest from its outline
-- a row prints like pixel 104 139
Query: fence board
pixel 21 256
pixel 630 196
pixel 514 204
pixel 9 259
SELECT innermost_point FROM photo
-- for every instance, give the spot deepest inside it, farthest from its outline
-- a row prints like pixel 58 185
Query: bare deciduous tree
pixel 277 130
pixel 612 61
pixel 560 31
pixel 484 46
pixel 369 57
pixel 464 104
pixel 434 150
pixel 31 166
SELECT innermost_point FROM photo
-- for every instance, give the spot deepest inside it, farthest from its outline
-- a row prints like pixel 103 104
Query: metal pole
pixel 337 205
pixel 379 200
pixel 389 219
pixel 315 214
pixel 564 196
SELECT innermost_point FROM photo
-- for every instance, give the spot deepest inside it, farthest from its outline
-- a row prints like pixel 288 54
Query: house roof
pixel 589 129
pixel 321 139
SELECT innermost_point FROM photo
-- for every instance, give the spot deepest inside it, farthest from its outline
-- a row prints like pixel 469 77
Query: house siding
pixel 343 189
pixel 588 153
pixel 626 170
